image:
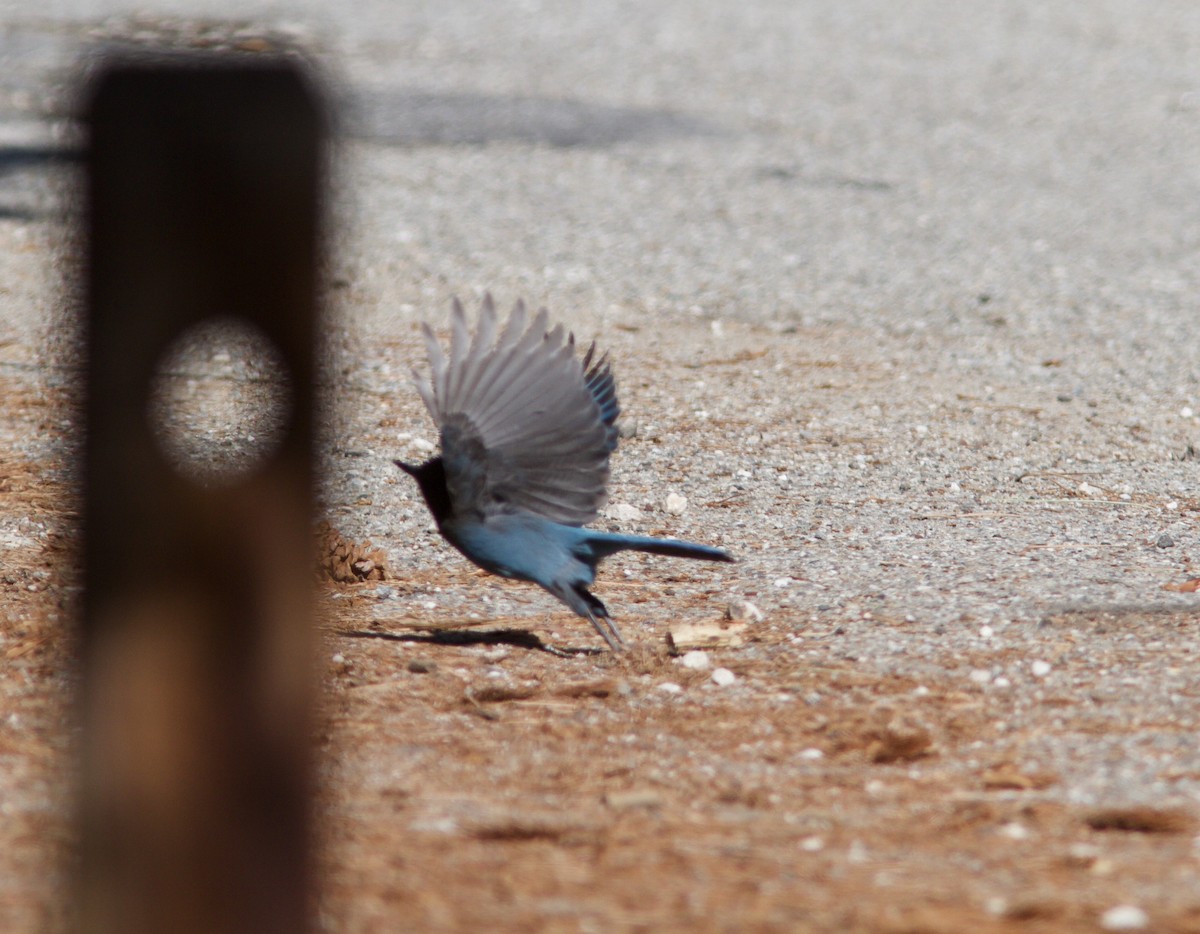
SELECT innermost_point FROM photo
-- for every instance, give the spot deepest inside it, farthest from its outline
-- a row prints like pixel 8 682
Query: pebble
pixel 670 687
pixel 723 677
pixel 1124 918
pixel 981 676
pixel 697 660
pixel 812 844
pixel 1165 541
pixel 743 611
pixel 623 512
pixel 1083 854
pixel 1040 668
pixel 812 753
pixel 422 666
pixel 676 505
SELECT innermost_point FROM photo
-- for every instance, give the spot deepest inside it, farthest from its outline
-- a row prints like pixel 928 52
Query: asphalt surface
pixel 902 300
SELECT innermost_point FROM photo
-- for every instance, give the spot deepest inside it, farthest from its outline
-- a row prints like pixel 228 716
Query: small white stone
pixel 1186 412
pixel 1088 490
pixel 812 753
pixel 920 691
pixel 981 676
pixel 1015 831
pixel 812 844
pixel 744 611
pixel 723 677
pixel 440 825
pixel 986 632
pixel 1002 682
pixel 670 687
pixel 1040 668
pixel 623 512
pixel 676 505
pixel 338 658
pixel 782 582
pixel 1124 918
pixel 1083 852
pixel 422 445
pixel 697 660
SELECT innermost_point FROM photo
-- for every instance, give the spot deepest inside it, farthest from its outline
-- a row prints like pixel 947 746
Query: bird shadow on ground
pixel 518 638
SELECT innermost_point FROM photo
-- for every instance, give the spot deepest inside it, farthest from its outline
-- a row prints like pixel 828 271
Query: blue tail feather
pixel 603 544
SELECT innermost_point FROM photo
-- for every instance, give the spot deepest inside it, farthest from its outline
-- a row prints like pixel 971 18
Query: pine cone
pixel 348 562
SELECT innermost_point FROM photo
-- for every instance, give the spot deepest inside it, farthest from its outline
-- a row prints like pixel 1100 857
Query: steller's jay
pixel 526 433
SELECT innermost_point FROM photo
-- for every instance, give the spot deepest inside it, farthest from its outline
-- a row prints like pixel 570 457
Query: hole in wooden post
pixel 220 401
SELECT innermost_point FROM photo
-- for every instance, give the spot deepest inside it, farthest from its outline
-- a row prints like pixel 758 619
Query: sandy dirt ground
pixel 902 306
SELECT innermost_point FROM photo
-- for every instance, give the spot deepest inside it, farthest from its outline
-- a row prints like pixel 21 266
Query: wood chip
pixel 1141 819
pixel 634 798
pixel 715 634
pixel 901 740
pixel 601 688
pixel 1008 777
pixel 496 693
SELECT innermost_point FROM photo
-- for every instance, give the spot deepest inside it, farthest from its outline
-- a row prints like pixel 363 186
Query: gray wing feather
pixel 524 404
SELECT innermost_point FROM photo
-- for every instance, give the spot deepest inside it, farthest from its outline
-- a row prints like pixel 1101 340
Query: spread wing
pixel 525 425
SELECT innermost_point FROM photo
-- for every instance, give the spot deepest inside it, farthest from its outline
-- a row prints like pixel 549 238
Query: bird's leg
pixel 607 628
pixel 588 604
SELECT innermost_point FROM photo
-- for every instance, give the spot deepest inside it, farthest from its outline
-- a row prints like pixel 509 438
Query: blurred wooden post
pixel 204 199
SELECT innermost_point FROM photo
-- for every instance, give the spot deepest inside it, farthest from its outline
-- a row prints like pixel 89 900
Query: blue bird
pixel 526 431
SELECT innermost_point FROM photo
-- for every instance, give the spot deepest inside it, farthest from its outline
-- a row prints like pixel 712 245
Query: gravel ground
pixel 902 303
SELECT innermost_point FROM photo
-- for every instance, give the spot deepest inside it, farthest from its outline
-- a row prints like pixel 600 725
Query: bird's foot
pixel 608 630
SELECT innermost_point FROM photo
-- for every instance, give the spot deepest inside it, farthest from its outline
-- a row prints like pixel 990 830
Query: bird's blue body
pixel 560 558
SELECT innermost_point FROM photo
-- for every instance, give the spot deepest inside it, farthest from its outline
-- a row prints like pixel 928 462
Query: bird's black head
pixel 431 478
